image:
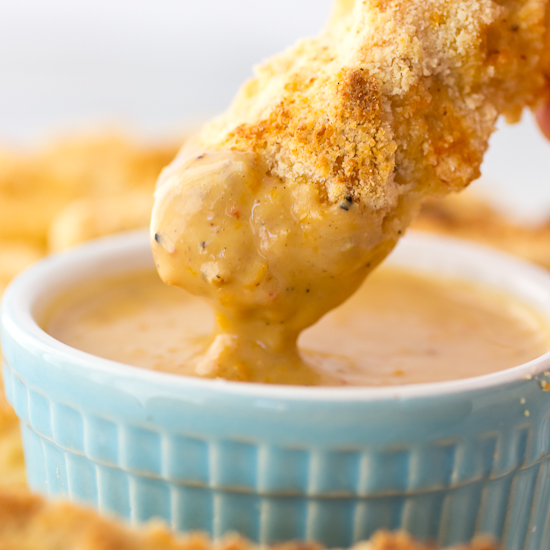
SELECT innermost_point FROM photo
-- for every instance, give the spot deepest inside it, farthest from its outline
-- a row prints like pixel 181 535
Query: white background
pixel 157 66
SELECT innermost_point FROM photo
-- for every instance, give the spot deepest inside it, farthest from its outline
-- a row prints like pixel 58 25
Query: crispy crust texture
pixel 29 523
pixel 394 97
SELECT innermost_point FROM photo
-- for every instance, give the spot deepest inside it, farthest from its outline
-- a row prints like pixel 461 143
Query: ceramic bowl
pixel 442 460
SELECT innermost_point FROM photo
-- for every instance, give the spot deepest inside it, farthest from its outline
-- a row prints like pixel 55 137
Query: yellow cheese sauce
pixel 270 257
pixel 399 328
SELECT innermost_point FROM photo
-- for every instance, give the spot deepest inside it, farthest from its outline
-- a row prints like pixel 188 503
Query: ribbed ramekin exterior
pixel 443 463
pixel 455 470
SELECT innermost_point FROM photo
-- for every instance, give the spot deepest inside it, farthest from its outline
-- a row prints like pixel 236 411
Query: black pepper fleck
pixel 346 203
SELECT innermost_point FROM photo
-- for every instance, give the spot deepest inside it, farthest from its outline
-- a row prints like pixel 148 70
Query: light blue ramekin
pixel 443 460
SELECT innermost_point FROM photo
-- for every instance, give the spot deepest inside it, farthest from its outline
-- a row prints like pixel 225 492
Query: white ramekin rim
pixel 41 283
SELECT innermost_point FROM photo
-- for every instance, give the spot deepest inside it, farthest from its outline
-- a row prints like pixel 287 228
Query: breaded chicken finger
pixel 277 210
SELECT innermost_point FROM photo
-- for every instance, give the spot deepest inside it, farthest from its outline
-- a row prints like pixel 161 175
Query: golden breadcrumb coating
pixel 27 522
pixel 395 97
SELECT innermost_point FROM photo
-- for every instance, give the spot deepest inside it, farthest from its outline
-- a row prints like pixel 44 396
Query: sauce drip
pixel 270 257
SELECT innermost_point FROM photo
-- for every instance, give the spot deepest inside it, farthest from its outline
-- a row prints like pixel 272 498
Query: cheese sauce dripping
pixel 271 257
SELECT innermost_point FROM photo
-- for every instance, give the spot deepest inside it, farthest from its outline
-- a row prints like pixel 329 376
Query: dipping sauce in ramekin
pixel 442 460
pixel 401 327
